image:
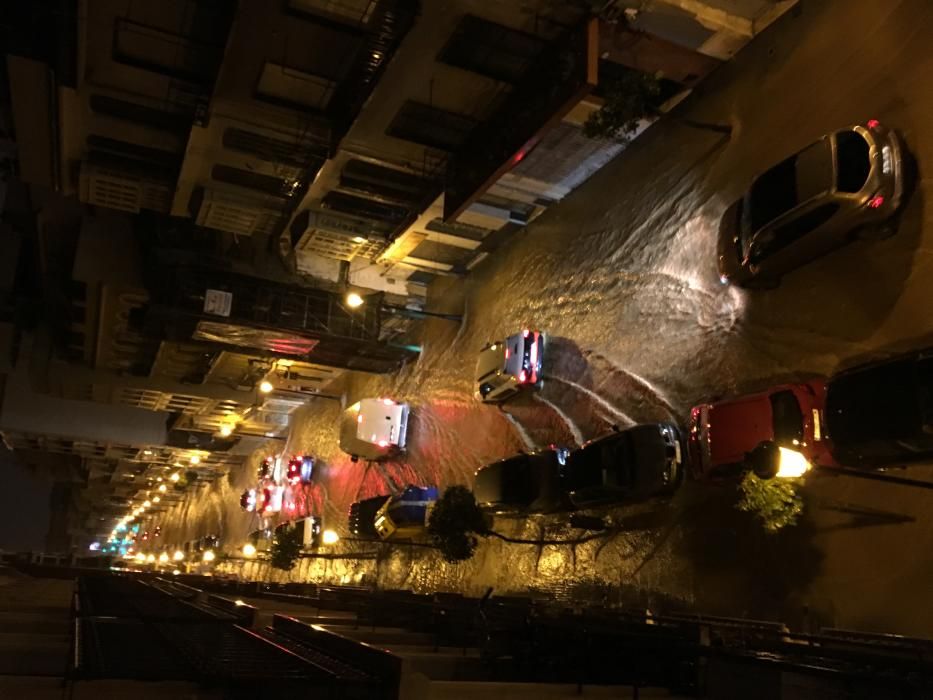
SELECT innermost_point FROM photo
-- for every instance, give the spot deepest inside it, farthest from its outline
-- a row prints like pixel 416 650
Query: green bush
pixel 776 502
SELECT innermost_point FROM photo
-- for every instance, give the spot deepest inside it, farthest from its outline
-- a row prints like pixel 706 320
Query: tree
pixel 776 502
pixel 456 523
pixel 628 100
pixel 286 546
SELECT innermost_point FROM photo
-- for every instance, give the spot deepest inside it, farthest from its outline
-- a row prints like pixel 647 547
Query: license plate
pixel 817 431
pixel 886 164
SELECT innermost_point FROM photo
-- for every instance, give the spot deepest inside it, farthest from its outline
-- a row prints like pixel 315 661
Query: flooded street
pixel 622 277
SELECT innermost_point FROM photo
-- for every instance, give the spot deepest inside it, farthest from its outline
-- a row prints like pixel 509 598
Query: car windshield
pixel 607 461
pixel 787 418
pixel 880 402
pixel 789 183
pixel 509 482
pixel 852 161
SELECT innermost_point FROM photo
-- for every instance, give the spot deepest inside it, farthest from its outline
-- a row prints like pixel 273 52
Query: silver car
pixel 509 366
pixel 849 181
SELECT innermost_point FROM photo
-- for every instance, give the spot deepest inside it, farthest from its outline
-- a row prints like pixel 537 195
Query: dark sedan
pixel 626 466
pixel 525 483
pixel 881 414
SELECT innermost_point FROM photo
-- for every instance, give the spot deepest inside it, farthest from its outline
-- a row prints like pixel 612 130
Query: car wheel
pixel 876 232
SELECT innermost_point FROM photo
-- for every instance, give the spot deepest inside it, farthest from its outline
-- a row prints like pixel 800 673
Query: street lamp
pixel 249 550
pixel 768 460
pixel 329 537
pixel 174 477
pixel 354 300
pixel 265 386
pixel 209 555
pixel 178 555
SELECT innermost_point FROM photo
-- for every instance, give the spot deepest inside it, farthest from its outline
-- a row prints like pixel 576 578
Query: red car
pixel 791 415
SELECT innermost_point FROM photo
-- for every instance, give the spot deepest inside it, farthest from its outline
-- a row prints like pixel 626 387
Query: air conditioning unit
pixel 110 188
pixel 342 236
pixel 237 213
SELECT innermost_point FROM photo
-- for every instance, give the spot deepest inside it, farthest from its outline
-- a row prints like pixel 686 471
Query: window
pixel 803 224
pixel 353 12
pixel 491 49
pixel 366 208
pixel 430 126
pixel 786 418
pixel 164 52
pixel 172 122
pixel 254 181
pixel 768 243
pixel 789 183
pixel 383 182
pixel 852 161
pixel 294 88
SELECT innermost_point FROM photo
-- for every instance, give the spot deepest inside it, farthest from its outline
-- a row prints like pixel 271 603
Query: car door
pixel 794 239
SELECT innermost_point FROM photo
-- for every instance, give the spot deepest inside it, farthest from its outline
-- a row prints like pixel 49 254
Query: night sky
pixel 24 507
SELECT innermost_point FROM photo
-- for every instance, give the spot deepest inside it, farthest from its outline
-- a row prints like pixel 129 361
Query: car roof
pixel 491 359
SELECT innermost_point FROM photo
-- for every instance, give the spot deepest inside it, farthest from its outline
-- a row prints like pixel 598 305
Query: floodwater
pixel 621 275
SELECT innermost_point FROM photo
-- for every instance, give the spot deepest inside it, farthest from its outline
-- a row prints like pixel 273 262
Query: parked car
pixel 722 433
pixel 505 368
pixel 310 528
pixel 375 429
pixel 881 414
pixel 525 483
pixel 811 203
pixel 363 515
pixel 406 514
pixel 627 465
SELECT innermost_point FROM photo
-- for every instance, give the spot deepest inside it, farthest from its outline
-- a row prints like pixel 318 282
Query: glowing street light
pixel 140 557
pixel 792 464
pixel 354 300
pixel 146 504
pixel 265 386
pixel 209 556
pixel 226 430
pixel 195 459
pixel 156 499
pixel 178 555
pixel 162 488
pixel 249 550
pixel 174 477
pixel 329 537
pixel 163 558
pixel 151 558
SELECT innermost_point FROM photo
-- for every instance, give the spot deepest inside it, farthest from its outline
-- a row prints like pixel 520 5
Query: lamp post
pixel 768 460
pixel 354 301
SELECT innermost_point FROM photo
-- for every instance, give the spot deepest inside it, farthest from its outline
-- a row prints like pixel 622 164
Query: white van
pixel 375 429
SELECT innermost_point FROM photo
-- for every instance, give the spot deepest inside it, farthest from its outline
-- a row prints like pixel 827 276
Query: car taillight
pixel 876 202
pixel 522 376
pixel 873 123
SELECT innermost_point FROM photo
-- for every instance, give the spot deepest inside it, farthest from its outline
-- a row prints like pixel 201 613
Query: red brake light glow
pixel 873 124
pixel 876 202
pixel 522 376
